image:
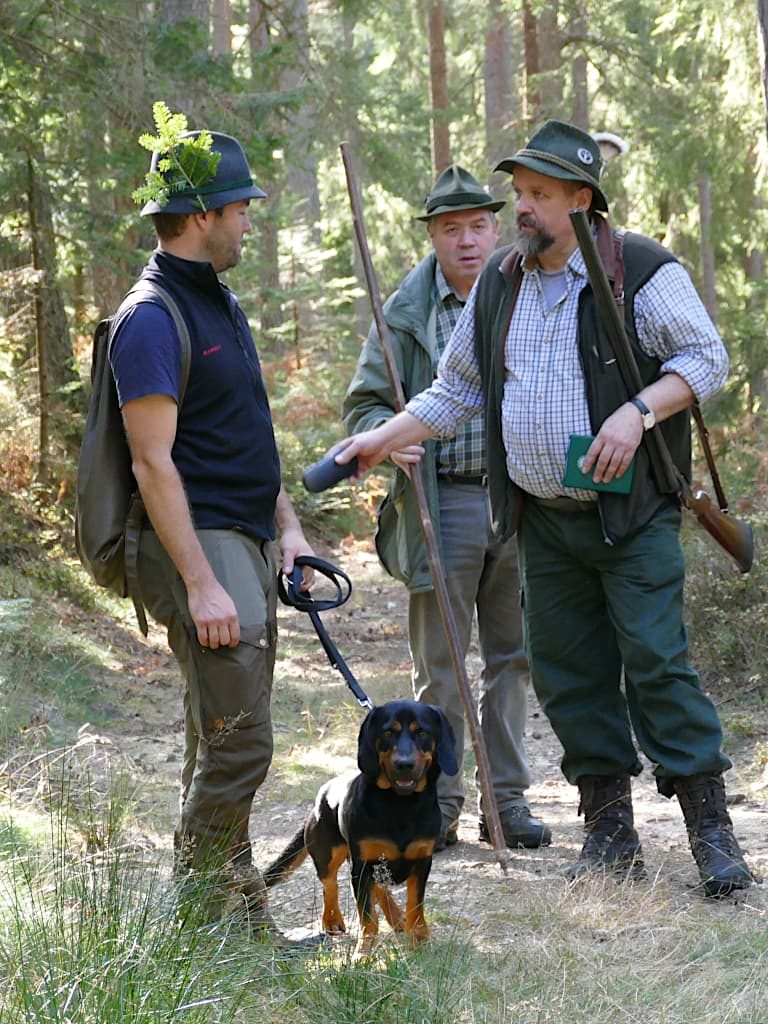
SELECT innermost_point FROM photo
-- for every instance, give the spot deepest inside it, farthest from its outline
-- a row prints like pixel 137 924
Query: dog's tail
pixel 294 854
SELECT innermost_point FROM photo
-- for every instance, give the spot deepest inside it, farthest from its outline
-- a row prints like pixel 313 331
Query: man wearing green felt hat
pixel 602 571
pixel 481 572
pixel 218 521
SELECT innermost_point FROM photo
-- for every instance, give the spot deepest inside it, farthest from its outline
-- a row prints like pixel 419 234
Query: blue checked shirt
pixel 464 453
pixel 544 391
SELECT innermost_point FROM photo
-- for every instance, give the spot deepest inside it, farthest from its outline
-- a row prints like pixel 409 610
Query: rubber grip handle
pixel 327 472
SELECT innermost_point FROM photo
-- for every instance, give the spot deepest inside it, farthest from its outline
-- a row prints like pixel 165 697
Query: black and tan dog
pixel 384 819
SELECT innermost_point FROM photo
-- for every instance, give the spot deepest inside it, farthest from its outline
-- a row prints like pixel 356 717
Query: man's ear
pixel 582 198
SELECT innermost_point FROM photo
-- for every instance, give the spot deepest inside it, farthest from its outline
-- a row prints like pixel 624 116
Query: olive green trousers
pixel 595 612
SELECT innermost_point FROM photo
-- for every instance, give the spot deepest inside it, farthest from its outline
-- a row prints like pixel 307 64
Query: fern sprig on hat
pixel 185 161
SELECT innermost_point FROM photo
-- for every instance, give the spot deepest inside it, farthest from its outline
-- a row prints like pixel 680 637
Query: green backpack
pixel 109 511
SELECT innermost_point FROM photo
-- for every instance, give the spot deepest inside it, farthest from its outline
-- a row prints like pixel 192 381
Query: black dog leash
pixel 292 595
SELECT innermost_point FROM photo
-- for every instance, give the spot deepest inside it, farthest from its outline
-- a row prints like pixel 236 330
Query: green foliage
pixel 185 163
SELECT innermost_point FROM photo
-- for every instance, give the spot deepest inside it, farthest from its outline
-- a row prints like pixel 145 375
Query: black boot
pixel 710 833
pixel 612 844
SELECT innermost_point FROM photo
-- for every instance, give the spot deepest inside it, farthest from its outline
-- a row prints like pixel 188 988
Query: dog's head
pixel 404 745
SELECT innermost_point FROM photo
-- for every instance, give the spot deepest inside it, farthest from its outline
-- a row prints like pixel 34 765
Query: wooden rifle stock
pixel 733 536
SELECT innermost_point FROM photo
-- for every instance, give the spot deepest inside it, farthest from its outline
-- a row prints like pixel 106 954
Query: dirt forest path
pixel 143 721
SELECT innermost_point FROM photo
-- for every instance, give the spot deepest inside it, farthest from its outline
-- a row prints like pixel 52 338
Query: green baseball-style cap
pixel 231 182
pixel 561 150
pixel 456 189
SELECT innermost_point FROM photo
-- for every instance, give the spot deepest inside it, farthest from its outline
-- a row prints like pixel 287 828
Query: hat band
pixel 541 154
pixel 455 198
pixel 207 190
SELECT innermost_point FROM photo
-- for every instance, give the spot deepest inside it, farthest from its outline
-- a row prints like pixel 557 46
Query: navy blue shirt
pixel 225 448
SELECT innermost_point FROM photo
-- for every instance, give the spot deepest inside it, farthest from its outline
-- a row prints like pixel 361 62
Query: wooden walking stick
pixel 433 553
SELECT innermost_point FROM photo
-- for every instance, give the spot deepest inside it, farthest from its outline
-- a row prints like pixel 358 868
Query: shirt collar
pixel 574 264
pixel 443 289
pixel 195 274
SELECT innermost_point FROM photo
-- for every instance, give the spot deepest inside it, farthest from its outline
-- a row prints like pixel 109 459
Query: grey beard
pixel 532 245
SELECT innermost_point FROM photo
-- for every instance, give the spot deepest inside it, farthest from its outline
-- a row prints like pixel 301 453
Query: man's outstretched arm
pixel 401 433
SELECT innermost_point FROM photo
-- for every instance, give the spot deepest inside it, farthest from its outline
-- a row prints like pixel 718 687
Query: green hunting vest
pixel 622 515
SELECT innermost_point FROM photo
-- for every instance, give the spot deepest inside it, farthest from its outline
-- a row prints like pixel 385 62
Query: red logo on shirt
pixel 211 350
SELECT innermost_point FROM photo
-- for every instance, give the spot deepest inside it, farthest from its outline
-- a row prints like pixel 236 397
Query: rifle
pixel 731 534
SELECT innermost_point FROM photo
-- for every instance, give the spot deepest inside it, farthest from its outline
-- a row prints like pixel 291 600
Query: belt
pixel 480 480
pixel 563 504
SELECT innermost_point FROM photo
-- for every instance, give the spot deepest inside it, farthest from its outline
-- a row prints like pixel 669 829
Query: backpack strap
pixel 148 291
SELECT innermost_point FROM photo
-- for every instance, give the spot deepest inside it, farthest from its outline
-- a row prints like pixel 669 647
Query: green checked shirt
pixel 463 454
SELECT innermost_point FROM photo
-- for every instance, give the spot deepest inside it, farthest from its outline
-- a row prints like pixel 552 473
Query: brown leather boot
pixel 710 833
pixel 612 844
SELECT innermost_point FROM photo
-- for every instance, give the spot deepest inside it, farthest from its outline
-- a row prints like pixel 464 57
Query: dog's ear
pixel 367 754
pixel 446 744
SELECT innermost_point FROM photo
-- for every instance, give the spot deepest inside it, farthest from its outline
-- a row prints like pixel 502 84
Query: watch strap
pixel 648 417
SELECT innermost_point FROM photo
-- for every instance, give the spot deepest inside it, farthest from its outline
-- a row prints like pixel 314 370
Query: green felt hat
pixel 231 182
pixel 561 150
pixel 456 189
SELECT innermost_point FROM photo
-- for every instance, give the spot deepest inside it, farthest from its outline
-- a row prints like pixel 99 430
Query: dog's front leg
pixel 388 904
pixel 333 919
pixel 416 927
pixel 362 885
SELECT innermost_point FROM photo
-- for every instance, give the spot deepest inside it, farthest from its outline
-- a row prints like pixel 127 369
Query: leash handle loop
pixel 292 595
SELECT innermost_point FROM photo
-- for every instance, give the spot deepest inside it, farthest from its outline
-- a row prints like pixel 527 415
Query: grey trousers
pixel 227 722
pixel 481 575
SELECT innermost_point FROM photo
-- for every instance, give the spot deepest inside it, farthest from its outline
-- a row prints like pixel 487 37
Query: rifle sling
pixel 669 479
pixel 698 417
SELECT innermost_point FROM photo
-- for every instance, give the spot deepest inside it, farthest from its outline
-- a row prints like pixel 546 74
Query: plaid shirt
pixel 544 391
pixel 464 453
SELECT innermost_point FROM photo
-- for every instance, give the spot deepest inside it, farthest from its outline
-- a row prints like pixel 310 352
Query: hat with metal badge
pixel 561 150
pixel 231 182
pixel 456 189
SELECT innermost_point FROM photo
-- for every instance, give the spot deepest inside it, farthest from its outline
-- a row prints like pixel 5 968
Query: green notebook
pixel 575 477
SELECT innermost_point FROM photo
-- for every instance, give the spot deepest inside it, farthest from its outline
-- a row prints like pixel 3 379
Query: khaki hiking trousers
pixel 227 722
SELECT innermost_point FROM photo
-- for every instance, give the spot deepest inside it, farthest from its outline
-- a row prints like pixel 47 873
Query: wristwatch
pixel 648 417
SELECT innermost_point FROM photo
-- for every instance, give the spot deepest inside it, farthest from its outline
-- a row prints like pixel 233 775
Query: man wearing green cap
pixel 602 572
pixel 206 464
pixel 481 572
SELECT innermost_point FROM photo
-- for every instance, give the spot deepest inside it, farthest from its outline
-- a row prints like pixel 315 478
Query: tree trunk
pixel 498 66
pixel 221 36
pixel 550 63
pixel 531 96
pixel 579 89
pixel 438 87
pixel 353 132
pixel 302 169
pixel 271 311
pixel 762 21
pixel 55 330
pixel 175 11
pixel 708 290
pixel 40 330
pixel 186 88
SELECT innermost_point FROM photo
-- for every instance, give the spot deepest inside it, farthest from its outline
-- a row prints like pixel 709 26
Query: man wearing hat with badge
pixel 481 572
pixel 206 463
pixel 602 572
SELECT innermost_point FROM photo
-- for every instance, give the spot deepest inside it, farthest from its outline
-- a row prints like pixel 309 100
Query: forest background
pixel 412 85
